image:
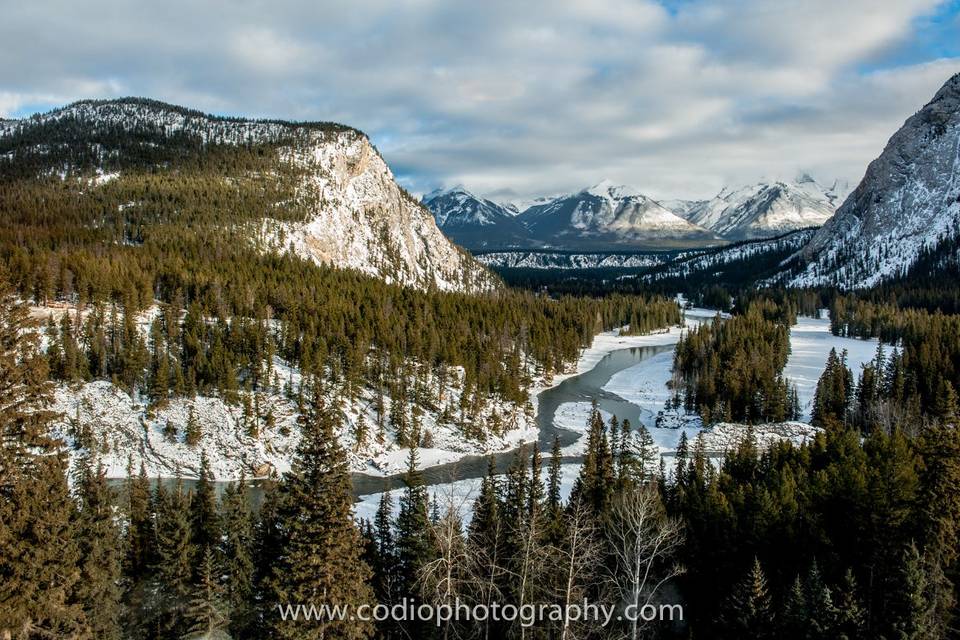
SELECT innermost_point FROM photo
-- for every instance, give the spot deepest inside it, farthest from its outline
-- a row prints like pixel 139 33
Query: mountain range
pixel 615 217
pixel 322 192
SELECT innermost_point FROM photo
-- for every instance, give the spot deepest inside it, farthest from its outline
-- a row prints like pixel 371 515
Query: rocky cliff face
pixel 351 212
pixel 363 220
pixel 908 200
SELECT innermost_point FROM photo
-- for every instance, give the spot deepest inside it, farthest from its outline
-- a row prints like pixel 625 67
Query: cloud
pixel 507 97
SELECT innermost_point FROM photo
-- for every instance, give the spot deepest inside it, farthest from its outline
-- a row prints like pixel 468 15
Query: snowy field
pixel 810 344
pixel 645 384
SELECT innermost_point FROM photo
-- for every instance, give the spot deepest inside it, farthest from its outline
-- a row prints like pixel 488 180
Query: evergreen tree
pixel 174 563
pixel 204 519
pixel 237 553
pixel 595 483
pixel 850 616
pixel 39 554
pixel 320 546
pixel 412 529
pixel 206 616
pixel 385 555
pixel 98 588
pixel 747 614
pixel 794 616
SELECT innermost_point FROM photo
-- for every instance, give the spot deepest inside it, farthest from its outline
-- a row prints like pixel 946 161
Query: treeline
pixel 161 562
pixel 927 343
pixel 839 538
pixel 731 370
pixel 847 536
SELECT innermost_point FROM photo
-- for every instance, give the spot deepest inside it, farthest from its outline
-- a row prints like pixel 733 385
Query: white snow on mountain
pixel 908 201
pixel 607 211
pixel 457 206
pixel 765 209
pixel 565 260
pixel 359 218
pixel 687 263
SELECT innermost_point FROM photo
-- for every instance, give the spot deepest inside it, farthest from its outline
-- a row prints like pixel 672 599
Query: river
pixel 580 388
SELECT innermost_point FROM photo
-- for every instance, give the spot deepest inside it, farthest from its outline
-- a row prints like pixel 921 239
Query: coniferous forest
pixel 176 293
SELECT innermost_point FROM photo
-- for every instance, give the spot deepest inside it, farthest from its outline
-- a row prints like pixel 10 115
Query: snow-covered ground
pixel 810 344
pixel 575 417
pixel 725 436
pixel 262 440
pixel 127 431
pixel 645 386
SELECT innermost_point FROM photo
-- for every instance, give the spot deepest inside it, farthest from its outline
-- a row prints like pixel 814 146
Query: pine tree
pixel 412 529
pixel 139 549
pixel 385 565
pixel 192 432
pixel 554 510
pixel 747 614
pixel 595 484
pixel 206 615
pixel 916 610
pixel 98 589
pixel 850 616
pixel 204 519
pixel 237 553
pixel 794 616
pixel 39 554
pixel 320 546
pixel 174 564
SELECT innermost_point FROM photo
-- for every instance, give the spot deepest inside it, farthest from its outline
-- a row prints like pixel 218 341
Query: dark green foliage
pixel 40 552
pixel 748 610
pixel 596 481
pixel 204 519
pixel 319 546
pixel 174 565
pixel 731 370
pixel 834 391
pixel 413 549
pixel 206 614
pixel 98 587
pixel 237 550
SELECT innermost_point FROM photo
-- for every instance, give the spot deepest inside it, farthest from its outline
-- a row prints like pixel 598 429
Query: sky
pixel 517 99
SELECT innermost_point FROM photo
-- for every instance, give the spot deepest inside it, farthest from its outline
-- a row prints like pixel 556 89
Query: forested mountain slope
pixel 129 169
pixel 183 266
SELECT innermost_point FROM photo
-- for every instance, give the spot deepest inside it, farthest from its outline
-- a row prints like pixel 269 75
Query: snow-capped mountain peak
pixel 473 221
pixel 764 209
pixel 612 191
pixel 608 214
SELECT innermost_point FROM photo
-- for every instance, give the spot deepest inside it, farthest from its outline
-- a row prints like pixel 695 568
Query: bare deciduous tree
pixel 643 541
pixel 574 562
pixel 445 579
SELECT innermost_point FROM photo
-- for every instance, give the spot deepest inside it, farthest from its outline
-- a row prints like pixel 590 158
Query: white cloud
pixel 532 97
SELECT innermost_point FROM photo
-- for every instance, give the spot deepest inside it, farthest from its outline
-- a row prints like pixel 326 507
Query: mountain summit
pixel 606 215
pixel 318 190
pixel 908 202
pixel 765 209
pixel 474 222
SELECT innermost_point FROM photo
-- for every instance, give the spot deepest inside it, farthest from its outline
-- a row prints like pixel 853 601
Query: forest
pixel 176 293
pixel 853 535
